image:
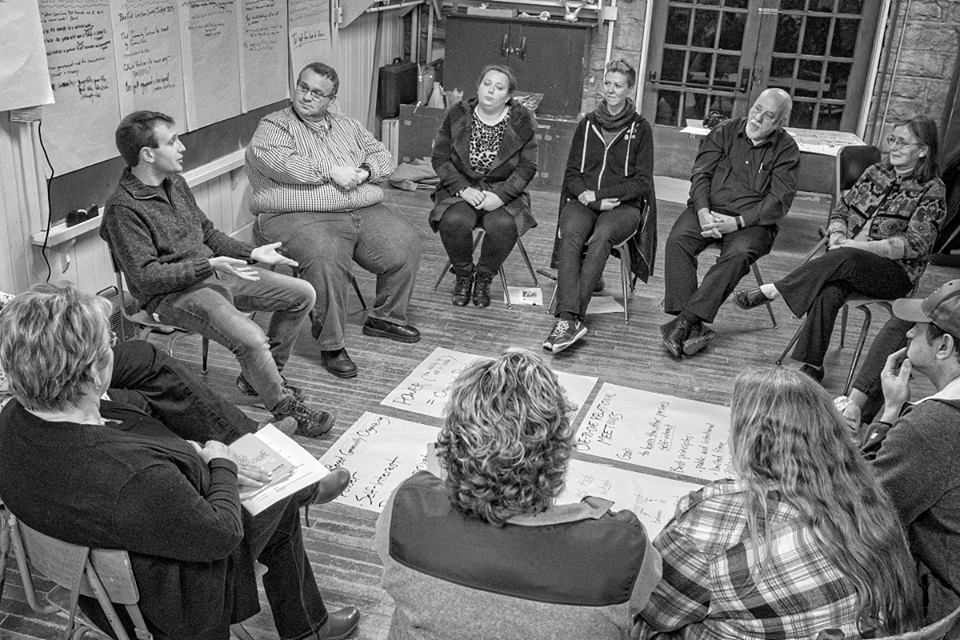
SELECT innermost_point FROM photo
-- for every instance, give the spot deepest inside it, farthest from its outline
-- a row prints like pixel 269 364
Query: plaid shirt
pixel 289 162
pixel 901 215
pixel 711 588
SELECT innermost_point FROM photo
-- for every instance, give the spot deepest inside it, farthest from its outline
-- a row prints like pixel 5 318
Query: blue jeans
pixel 217 309
pixel 583 228
pixel 325 244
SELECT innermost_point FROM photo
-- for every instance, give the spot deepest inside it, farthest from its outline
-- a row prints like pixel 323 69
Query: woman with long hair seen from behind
pixel 487 550
pixel 804 540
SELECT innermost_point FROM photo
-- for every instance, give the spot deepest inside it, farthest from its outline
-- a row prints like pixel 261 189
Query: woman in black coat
pixel 485 154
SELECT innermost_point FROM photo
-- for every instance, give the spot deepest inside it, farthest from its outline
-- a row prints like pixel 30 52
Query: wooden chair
pixel 98 573
pixel 147 324
pixel 477 239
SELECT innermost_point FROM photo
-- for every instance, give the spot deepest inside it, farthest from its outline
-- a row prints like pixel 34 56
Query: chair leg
pixel 356 287
pixel 625 272
pixel 793 341
pixel 843 324
pixel 4 547
pixel 526 259
pixel 506 289
pixel 756 274
pixel 443 272
pixel 204 352
pixel 861 339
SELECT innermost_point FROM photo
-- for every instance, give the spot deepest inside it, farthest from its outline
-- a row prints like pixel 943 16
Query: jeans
pixel 325 243
pixel 583 228
pixel 892 337
pixel 456 232
pixel 216 308
pixel 820 287
pixel 738 250
pixel 149 379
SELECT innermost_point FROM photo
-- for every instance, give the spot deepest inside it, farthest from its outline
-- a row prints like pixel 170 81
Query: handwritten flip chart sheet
pixel 652 498
pixel 211 67
pixel 24 81
pixel 380 452
pixel 309 33
pixel 263 52
pixel 425 390
pixel 657 431
pixel 148 57
pixel 81 57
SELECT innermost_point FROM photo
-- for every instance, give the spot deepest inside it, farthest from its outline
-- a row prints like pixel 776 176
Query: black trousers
pixel 456 233
pixel 820 287
pixel 149 379
pixel 738 250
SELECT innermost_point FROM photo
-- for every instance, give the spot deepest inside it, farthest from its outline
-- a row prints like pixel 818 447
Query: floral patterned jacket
pixel 898 210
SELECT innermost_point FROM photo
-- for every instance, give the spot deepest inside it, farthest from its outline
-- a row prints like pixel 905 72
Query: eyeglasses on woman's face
pixel 896 142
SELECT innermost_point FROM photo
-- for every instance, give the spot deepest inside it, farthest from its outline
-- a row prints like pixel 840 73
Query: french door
pixel 708 55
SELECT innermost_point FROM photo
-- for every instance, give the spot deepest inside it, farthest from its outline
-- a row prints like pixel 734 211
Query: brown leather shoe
pixel 340 624
pixel 338 363
pixel 386 329
pixel 330 486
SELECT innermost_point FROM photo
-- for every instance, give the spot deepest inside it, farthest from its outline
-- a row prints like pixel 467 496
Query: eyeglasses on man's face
pixel 314 93
pixel 895 142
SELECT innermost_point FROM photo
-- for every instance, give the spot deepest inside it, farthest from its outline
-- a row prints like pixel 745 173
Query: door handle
pixel 745 75
pixel 506 49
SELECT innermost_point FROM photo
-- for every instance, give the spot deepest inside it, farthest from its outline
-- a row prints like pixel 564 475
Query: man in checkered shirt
pixel 315 176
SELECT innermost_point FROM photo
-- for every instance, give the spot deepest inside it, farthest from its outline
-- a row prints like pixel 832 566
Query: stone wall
pixel 916 79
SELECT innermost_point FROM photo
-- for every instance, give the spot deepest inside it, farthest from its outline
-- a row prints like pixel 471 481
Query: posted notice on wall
pixel 24 81
pixel 657 431
pixel 380 452
pixel 426 389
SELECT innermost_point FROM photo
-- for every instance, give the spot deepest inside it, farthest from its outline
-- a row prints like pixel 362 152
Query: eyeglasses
pixel 113 339
pixel 316 95
pixel 898 143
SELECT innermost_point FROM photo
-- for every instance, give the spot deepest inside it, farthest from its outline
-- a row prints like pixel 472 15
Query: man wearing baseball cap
pixel 914 447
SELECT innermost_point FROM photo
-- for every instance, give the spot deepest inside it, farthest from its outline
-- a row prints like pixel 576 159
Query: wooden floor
pixel 340 539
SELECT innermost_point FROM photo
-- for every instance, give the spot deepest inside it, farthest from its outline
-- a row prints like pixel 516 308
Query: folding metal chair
pixel 477 239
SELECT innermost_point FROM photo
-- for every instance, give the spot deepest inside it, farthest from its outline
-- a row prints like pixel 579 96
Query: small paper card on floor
pixel 658 431
pixel 531 296
pixel 425 390
pixel 604 304
pixel 293 467
pixel 652 498
pixel 380 452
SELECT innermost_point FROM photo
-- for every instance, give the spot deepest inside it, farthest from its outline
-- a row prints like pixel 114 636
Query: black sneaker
pixel 247 389
pixel 564 334
pixel 311 423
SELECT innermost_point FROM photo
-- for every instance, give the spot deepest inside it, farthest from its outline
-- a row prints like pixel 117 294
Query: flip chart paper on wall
pixel 263 52
pixel 652 498
pixel 24 81
pixel 380 453
pixel 657 431
pixel 425 390
pixel 309 33
pixel 211 68
pixel 149 69
pixel 81 57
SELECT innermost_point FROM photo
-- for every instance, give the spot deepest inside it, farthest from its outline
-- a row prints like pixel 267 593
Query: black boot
pixel 481 290
pixel 462 290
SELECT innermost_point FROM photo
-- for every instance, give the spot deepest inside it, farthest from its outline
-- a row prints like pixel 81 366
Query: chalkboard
pixel 92 185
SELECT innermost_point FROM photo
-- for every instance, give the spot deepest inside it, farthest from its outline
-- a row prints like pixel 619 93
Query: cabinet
pixel 547 57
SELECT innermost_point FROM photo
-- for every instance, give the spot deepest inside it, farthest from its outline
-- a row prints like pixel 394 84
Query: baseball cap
pixel 942 308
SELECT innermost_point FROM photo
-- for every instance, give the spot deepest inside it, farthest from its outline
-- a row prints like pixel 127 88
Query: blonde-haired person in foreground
pixel 805 540
pixel 486 552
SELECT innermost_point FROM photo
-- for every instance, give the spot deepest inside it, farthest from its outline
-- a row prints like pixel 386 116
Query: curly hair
pixel 50 337
pixel 506 438
pixel 786 433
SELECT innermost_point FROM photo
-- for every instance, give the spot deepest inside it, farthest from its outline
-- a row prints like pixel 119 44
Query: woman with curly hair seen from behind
pixel 486 552
pixel 804 540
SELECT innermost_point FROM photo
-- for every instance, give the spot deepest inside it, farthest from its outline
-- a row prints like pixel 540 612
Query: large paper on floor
pixel 380 453
pixel 425 390
pixel 658 431
pixel 652 498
